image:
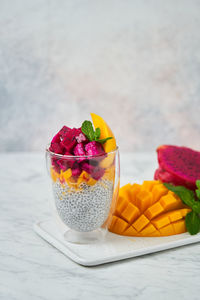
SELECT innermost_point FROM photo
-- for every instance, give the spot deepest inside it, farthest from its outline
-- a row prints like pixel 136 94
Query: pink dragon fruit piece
pixel 94 149
pixel 95 171
pixel 56 148
pixel 76 170
pixel 69 140
pixel 80 136
pixel 63 132
pixel 80 151
pixel 178 165
pixel 56 138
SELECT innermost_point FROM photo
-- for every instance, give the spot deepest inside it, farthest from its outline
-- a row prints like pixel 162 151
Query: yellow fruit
pixel 98 122
pixel 148 210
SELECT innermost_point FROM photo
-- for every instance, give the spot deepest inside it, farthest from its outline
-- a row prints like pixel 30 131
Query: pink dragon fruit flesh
pixel 178 165
pixel 95 171
pixel 94 149
pixel 80 151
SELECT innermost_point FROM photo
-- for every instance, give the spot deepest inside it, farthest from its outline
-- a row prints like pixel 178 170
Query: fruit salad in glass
pixel 84 167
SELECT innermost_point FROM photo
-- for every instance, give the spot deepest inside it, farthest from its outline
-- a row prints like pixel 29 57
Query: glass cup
pixel 85 190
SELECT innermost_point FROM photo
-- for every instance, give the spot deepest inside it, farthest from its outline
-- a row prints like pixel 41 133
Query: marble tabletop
pixel 30 268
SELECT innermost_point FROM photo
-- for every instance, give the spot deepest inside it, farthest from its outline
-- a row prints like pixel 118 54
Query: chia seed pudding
pixel 84 209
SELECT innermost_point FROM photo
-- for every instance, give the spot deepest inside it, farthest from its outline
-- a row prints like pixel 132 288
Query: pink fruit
pixel 56 148
pixel 178 165
pixel 63 132
pixel 76 171
pixel 80 151
pixel 95 171
pixel 81 138
pixel 94 149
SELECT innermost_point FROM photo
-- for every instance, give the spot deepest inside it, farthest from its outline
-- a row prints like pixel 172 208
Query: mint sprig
pixel 192 199
pixel 91 134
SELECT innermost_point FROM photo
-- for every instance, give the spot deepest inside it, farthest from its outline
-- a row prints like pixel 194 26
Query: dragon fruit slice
pixel 94 149
pixel 80 151
pixel 69 140
pixel 56 148
pixel 178 165
pixel 95 171
pixel 76 171
pixel 63 132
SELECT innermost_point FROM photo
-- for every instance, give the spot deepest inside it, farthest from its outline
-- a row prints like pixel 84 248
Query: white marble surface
pixel 135 62
pixel 32 269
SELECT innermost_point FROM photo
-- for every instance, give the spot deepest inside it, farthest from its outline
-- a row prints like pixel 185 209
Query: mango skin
pixel 148 210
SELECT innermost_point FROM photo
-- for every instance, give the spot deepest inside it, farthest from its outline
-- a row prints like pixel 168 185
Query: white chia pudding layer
pixel 86 208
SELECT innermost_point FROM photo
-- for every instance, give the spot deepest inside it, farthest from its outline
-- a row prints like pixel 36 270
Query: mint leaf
pixel 198 184
pixel 186 195
pixel 198 194
pixel 88 130
pixel 192 222
pixel 102 141
pixel 97 133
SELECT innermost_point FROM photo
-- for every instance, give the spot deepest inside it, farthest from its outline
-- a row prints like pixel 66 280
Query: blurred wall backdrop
pixel 136 63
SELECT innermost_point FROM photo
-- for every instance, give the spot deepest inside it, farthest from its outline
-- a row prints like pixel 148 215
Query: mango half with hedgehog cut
pixel 148 210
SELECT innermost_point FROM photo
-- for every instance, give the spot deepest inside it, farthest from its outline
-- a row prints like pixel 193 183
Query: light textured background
pixel 136 63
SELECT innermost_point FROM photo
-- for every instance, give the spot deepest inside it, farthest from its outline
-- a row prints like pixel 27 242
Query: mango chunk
pixel 160 221
pixel 121 205
pixel 179 226
pixel 170 202
pixel 67 174
pixel 144 199
pixel 140 223
pixel 120 225
pixel 130 231
pixel 167 230
pixel 130 213
pixel 148 230
pixel 154 211
pixel 134 191
pixel 158 191
pixel 149 184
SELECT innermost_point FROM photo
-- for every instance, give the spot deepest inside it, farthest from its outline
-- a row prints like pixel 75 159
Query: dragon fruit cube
pixel 94 149
pixel 80 151
pixel 56 148
pixel 76 170
pixel 95 171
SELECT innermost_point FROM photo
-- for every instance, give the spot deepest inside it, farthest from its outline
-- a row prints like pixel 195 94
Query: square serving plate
pixel 113 248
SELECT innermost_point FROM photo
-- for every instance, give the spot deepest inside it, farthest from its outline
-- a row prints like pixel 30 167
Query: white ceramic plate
pixel 114 247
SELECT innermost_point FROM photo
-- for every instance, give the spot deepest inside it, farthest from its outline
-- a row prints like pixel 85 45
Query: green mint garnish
pixel 192 222
pixel 102 141
pixel 88 130
pixel 188 197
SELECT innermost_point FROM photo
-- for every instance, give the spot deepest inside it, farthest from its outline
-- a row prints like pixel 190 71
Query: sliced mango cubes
pixel 148 210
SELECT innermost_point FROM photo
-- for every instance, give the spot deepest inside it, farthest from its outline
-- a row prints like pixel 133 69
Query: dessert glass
pixel 84 200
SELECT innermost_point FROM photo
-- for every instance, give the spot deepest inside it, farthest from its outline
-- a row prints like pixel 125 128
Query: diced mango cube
pixel 140 223
pixel 167 230
pixel 135 189
pixel 179 226
pixel 158 191
pixel 170 202
pixel 143 200
pixel 148 229
pixel 161 221
pixel 154 210
pixel 130 213
pixel 130 231
pixel 120 225
pixel 149 184
pixel 67 174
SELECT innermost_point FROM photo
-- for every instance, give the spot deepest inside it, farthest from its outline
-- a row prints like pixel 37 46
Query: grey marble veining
pixel 136 63
pixel 30 268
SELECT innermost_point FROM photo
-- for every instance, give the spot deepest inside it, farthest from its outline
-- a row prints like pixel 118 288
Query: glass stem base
pixel 90 237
